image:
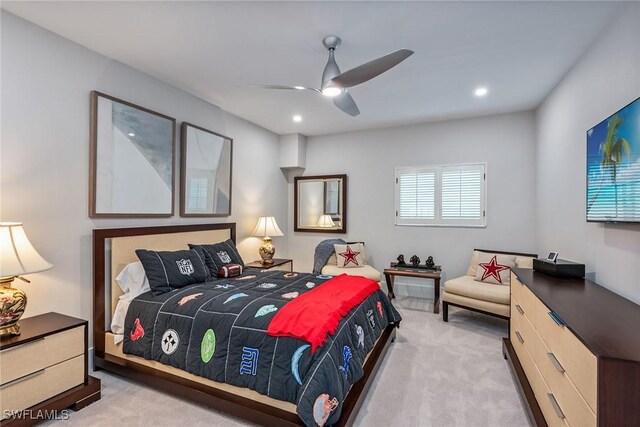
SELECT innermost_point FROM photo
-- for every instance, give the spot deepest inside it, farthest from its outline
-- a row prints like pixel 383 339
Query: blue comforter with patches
pixel 217 330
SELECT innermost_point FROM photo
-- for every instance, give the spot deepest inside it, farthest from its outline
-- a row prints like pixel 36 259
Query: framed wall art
pixel 205 172
pixel 132 163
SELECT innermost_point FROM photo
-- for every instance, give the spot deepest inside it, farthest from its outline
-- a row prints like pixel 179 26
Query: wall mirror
pixel 206 159
pixel 320 203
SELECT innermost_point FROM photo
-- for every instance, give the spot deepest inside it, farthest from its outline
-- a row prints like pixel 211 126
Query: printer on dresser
pixel 44 370
pixel 574 347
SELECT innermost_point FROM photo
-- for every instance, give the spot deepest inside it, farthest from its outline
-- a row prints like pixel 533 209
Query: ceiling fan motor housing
pixel 331 69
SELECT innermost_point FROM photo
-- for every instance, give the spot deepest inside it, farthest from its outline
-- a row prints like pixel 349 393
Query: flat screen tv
pixel 613 167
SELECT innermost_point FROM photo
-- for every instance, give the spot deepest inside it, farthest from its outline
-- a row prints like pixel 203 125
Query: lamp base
pixel 13 302
pixel 267 251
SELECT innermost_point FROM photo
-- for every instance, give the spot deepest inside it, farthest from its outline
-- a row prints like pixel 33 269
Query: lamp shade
pixel 267 226
pixel 17 255
pixel 325 221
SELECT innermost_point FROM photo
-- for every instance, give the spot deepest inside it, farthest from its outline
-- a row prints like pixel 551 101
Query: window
pixel 197 200
pixel 451 195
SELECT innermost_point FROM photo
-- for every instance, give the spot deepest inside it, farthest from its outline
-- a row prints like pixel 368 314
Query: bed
pixel 115 248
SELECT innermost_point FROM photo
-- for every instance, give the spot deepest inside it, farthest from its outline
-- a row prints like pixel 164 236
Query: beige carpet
pixel 435 374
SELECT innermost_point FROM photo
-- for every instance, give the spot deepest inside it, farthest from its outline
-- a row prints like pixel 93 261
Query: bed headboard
pixel 109 260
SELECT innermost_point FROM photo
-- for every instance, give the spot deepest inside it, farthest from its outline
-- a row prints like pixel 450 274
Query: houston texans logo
pixel 138 332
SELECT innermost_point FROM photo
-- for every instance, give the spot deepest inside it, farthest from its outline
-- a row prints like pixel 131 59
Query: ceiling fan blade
pixel 371 69
pixel 345 102
pixel 286 87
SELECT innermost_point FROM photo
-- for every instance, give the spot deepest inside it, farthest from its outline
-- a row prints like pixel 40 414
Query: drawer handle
pixel 519 337
pixel 19 380
pixel 555 362
pixel 555 405
pixel 556 318
pixel 21 346
pixel 520 310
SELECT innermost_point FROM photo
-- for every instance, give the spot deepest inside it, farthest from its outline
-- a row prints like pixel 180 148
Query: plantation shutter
pixel 417 194
pixel 451 195
pixel 462 188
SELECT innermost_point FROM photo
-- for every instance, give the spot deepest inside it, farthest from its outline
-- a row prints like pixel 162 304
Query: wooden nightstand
pixel 44 370
pixel 278 264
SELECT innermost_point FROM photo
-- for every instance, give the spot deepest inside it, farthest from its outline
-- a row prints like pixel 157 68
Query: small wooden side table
pixel 44 370
pixel 391 273
pixel 281 264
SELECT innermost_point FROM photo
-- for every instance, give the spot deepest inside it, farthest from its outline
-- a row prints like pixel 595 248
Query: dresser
pixel 574 348
pixel 43 371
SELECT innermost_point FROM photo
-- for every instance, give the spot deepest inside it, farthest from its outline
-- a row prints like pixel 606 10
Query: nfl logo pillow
pixel 167 270
pixel 218 255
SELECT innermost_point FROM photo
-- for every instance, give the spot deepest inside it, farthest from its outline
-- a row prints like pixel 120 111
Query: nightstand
pixel 44 370
pixel 280 264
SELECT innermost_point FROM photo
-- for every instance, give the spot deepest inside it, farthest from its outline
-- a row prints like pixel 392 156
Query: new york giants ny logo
pixel 249 364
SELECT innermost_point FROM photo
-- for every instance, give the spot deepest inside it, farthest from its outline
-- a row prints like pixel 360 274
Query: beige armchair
pixel 487 298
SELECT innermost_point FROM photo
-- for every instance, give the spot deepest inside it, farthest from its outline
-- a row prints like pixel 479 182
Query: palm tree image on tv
pixel 613 172
pixel 612 151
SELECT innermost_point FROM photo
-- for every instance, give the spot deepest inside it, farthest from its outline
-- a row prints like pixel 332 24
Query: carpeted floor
pixel 435 374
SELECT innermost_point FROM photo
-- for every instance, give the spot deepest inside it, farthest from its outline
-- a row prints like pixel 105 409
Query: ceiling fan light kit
pixel 335 84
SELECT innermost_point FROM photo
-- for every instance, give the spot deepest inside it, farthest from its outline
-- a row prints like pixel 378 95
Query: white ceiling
pixel 520 50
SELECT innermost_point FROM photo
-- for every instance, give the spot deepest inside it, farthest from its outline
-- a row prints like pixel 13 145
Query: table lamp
pixel 17 257
pixel 266 227
pixel 325 221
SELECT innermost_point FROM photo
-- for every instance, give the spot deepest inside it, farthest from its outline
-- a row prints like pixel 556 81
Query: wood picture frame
pixel 321 203
pixel 206 179
pixel 131 160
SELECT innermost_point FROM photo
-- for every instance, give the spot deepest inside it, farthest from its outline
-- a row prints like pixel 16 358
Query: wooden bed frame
pixel 230 403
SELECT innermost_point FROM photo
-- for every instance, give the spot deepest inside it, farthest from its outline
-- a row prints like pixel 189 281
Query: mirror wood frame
pixel 183 173
pixel 343 202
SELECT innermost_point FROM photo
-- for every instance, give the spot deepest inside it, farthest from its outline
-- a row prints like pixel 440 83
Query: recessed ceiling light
pixel 481 91
pixel 132 134
pixel 297 118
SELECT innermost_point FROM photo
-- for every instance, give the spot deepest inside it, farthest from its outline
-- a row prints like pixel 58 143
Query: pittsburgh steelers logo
pixel 170 341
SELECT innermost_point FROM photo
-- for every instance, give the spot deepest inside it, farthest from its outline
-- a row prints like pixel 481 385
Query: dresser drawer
pixel 41 385
pixel 526 299
pixel 553 414
pixel 36 355
pixel 579 363
pixel 521 324
pixel 574 407
pixel 525 357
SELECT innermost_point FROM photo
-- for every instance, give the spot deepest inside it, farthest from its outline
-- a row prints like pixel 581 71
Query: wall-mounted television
pixel 613 167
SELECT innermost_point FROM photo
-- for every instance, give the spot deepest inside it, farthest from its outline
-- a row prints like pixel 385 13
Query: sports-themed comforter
pixel 217 330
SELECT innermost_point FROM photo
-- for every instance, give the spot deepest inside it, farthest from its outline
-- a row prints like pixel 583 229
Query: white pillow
pixel 132 279
pixel 133 282
pixel 349 255
pixel 495 268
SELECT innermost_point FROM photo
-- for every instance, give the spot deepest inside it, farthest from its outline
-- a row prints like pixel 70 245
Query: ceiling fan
pixel 335 84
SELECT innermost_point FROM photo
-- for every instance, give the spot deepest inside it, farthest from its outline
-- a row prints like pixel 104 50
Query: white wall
pixel 605 79
pixel 46 81
pixel 369 158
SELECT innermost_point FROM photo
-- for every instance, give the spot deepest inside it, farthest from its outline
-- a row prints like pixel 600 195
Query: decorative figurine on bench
pixel 401 259
pixel 429 263
pixel 415 261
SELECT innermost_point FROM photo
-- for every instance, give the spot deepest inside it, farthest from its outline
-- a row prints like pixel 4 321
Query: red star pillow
pixel 350 255
pixel 495 268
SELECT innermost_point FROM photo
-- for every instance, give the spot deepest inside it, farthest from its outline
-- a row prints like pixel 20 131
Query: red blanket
pixel 315 314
